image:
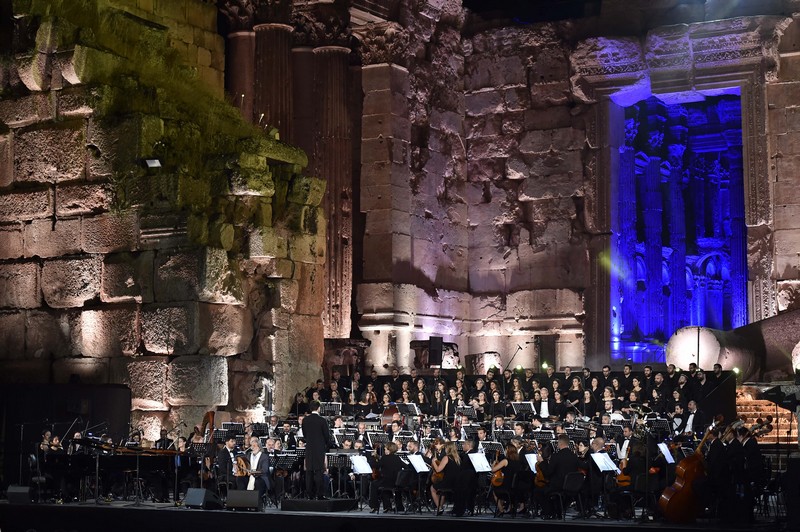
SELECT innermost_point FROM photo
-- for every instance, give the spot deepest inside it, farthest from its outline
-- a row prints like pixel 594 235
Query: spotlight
pixel 544 365
pixel 736 370
pixel 519 367
pixel 152 163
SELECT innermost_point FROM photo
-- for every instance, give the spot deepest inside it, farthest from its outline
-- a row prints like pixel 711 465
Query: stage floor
pixel 122 516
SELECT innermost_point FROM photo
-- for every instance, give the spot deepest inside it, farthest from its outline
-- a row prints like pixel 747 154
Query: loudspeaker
pixel 435 351
pixel 242 499
pixel 202 498
pixel 19 495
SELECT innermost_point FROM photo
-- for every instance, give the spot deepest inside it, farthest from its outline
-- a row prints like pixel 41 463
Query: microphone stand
pixel 503 375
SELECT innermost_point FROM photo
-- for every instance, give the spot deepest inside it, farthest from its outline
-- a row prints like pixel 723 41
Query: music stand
pixel 408 409
pixel 404 438
pixel 524 408
pixel 611 432
pixel 341 437
pixel 503 435
pixel 660 426
pixel 377 438
pixel 260 429
pixel 338 461
pixel 471 431
pixel 240 440
pixel 577 434
pixel 543 435
pixel 491 447
pixel 467 410
pixel 220 435
pixel 236 428
pixel 330 409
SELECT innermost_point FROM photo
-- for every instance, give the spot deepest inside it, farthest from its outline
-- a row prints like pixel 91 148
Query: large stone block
pixel 306 190
pixel 127 277
pixel 248 391
pixel 225 330
pixel 307 248
pixel 46 238
pixel 71 282
pixel 19 285
pixel 11 242
pixel 147 379
pixel 170 330
pixel 197 380
pixel 178 276
pixel 110 332
pixel 311 289
pixel 12 335
pixel 20 206
pixel 6 162
pixel 52 334
pixel 25 111
pixel 385 76
pixel 484 102
pixel 88 370
pixel 268 242
pixel 50 155
pixel 106 233
pixel 72 200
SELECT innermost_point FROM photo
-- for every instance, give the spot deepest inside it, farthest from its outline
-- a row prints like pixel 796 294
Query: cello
pixel 679 503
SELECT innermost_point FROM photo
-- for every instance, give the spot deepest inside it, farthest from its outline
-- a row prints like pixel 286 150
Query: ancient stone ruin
pixel 212 202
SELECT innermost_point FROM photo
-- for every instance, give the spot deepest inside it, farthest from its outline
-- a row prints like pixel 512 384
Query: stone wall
pixel 489 154
pixel 196 283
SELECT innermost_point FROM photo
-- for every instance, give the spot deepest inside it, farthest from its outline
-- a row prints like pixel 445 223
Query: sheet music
pixel 480 463
pixel 664 448
pixel 531 458
pixel 418 462
pixel 604 462
pixel 360 465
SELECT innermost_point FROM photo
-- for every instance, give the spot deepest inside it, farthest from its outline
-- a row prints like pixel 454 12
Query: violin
pixel 498 477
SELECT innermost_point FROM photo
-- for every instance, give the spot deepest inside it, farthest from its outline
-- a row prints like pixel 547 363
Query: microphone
pixel 531 342
pixel 519 347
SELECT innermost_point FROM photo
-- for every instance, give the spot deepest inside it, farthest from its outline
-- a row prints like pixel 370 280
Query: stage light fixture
pixel 152 163
pixel 544 365
pixel 519 367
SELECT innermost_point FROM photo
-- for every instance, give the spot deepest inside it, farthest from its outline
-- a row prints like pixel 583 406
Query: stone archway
pixel 685 61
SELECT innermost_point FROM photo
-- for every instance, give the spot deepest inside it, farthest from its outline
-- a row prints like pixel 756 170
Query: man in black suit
pixel 318 442
pixel 164 442
pixel 695 420
pixel 546 407
pixel 564 461
pixel 226 460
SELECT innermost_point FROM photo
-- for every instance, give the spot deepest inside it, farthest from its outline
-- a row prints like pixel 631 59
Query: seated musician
pixel 389 465
pixel 633 465
pixel 286 437
pixel 447 461
pixel 564 461
pixel 75 447
pixel 44 444
pixel 164 442
pixel 695 420
pixel 499 423
pixel 677 420
pixel 512 465
pixel 467 485
pixel 226 464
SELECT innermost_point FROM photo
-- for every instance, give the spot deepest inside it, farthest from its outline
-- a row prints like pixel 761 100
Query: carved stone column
pixel 273 77
pixel 240 52
pixel 332 162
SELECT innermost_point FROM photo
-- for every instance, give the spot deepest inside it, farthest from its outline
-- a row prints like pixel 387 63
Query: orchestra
pixel 534 430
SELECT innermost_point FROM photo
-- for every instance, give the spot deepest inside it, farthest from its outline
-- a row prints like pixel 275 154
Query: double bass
pixel 679 503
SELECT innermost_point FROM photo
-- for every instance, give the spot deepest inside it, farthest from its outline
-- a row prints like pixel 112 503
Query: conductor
pixel 318 442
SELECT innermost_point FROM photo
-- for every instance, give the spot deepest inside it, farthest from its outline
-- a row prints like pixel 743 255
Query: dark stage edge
pixel 121 517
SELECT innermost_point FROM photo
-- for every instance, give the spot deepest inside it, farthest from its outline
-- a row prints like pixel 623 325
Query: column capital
pixel 383 42
pixel 321 25
pixel 236 15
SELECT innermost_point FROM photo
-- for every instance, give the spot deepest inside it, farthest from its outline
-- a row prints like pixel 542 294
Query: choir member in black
pixel 594 388
pixel 299 406
pixel 318 442
pixel 685 387
pixel 498 406
pixel 671 377
pixel 559 405
pixel 605 377
pixel 626 380
pixel 648 379
pixel 545 406
pixel 702 386
pixel 436 407
pixel 564 461
pixel 588 406
pixel 389 466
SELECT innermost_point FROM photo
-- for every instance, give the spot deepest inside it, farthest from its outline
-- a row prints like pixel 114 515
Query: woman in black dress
pixel 511 465
pixel 448 462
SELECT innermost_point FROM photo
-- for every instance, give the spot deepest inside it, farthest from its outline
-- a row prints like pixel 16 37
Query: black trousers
pixel 314 487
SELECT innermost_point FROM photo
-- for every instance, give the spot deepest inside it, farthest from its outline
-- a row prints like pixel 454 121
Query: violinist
pixel 389 466
pixel 564 461
pixel 55 445
pixel 44 445
pixel 226 465
pixel 447 462
pixel 695 421
pixel 512 466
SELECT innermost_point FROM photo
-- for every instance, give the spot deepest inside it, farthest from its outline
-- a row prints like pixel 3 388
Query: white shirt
pixel 689 423
pixel 544 411
pixel 251 482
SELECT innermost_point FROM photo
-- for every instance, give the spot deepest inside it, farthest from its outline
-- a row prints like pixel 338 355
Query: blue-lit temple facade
pixel 678 252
